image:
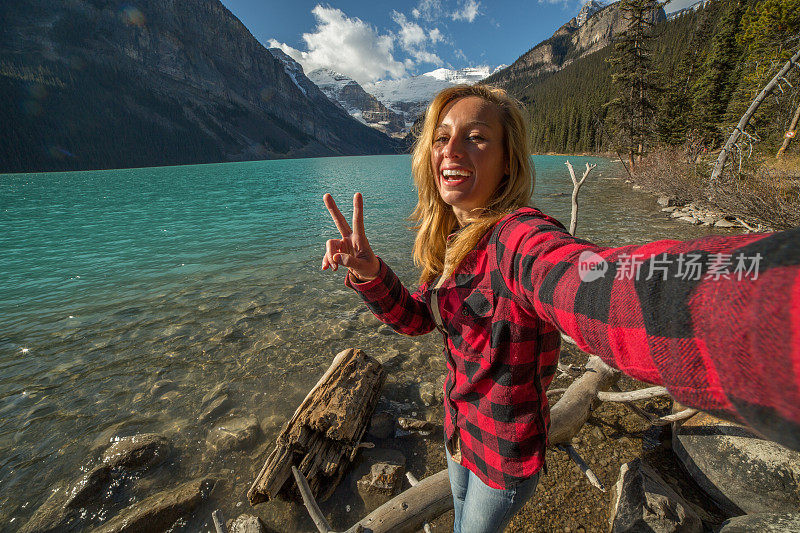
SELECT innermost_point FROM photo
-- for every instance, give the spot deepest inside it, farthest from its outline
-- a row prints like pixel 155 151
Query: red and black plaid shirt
pixel 716 320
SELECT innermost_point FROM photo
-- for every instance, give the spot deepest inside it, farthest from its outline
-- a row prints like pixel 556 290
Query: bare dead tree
pixel 576 188
pixel 787 139
pixel 740 127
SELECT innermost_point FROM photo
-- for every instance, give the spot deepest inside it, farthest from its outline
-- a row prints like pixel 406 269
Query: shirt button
pixel 464 312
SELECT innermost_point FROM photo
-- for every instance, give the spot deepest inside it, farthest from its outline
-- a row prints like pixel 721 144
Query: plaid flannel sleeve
pixel 393 304
pixel 716 320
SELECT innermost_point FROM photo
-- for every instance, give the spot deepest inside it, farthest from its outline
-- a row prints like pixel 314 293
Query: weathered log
pixel 408 511
pixel 325 429
pixel 572 411
pixel 632 396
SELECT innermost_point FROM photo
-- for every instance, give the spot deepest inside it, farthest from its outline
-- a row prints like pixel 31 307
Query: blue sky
pixel 380 39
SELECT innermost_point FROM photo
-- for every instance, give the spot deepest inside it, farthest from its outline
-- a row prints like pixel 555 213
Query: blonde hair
pixel 434 219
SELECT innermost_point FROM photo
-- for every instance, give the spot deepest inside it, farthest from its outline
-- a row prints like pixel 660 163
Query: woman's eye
pixel 440 140
pixel 475 138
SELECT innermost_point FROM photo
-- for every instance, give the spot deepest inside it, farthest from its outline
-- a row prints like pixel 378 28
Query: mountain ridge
pixel 571 41
pixel 151 85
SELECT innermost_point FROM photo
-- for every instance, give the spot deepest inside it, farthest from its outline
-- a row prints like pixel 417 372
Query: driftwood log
pixel 323 435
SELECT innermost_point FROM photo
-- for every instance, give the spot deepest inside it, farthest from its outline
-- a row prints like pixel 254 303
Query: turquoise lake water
pixel 195 276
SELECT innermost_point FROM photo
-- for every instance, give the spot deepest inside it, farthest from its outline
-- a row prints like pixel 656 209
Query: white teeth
pixel 455 173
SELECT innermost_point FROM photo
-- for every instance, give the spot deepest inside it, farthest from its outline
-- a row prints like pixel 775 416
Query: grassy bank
pixel 762 191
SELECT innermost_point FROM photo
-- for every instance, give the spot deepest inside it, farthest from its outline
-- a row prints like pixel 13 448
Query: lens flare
pixel 132 16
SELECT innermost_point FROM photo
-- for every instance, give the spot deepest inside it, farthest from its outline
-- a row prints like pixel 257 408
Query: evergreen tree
pixel 632 109
pixel 713 88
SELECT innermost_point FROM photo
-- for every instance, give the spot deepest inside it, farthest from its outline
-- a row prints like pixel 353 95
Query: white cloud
pixel 411 33
pixel 469 10
pixel 347 45
pixel 428 10
pixel 414 40
pixel 435 36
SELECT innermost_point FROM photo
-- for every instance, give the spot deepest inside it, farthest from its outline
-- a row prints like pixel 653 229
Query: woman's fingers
pixel 332 247
pixel 338 219
pixel 358 214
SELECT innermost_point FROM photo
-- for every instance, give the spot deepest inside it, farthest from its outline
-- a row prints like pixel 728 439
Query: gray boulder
pixel 763 523
pixel 383 482
pixel 379 473
pixel 160 511
pixel 667 201
pixel 742 472
pixel 246 523
pixel 642 501
pixel 234 434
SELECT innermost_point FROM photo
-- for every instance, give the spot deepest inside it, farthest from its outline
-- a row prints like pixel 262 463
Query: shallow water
pixel 207 274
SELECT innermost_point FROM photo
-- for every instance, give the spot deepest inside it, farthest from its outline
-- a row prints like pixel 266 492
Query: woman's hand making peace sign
pixel 352 250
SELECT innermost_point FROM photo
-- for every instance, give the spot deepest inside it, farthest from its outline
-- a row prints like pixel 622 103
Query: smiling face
pixel 468 154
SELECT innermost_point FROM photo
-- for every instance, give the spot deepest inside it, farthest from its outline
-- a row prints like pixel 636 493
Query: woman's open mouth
pixel 454 177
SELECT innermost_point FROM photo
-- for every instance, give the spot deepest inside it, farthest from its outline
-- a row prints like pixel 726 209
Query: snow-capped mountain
pixel 694 7
pixel 589 8
pixel 357 102
pixel 410 96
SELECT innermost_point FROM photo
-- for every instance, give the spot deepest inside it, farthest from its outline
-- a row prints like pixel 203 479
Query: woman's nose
pixel 453 148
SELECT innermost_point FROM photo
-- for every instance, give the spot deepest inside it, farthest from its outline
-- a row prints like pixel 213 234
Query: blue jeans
pixel 478 507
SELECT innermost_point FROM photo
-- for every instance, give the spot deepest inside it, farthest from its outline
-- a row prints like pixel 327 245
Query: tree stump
pixel 323 435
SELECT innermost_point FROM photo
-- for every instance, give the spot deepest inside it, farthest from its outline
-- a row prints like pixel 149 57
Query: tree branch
pixel 739 129
pixel 632 396
pixel 573 454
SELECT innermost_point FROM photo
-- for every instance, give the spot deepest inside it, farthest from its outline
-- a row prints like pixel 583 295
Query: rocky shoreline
pixel 635 461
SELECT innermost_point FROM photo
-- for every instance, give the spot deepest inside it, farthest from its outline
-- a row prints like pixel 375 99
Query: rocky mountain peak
pixel 589 8
pixel 572 41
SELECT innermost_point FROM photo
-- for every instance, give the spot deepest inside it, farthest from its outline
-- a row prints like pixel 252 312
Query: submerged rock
pixel 53 515
pixel 219 390
pixel 642 501
pixel 742 472
pixel 160 511
pixel 234 434
pixel 138 451
pixel 162 386
pixel 215 409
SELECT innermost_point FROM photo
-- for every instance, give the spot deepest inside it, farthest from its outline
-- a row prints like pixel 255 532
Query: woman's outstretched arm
pixel 716 320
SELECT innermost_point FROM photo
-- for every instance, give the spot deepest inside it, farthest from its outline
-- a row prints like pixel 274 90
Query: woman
pixel 500 280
